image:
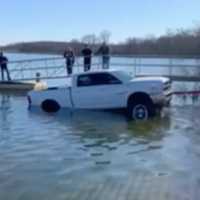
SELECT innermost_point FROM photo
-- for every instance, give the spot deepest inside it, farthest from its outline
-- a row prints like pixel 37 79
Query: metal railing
pixel 54 67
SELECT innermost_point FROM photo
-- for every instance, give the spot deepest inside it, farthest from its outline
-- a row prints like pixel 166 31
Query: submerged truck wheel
pixel 50 106
pixel 140 107
pixel 140 112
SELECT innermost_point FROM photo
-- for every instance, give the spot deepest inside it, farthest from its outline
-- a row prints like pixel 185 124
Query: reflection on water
pixel 103 126
pixel 46 156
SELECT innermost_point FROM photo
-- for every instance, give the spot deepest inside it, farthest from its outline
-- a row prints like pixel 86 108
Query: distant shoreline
pixel 182 43
pixel 28 52
pixel 57 49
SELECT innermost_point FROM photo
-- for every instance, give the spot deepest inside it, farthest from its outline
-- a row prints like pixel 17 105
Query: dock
pixel 16 85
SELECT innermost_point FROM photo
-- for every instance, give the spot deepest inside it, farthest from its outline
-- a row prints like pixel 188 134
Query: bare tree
pixel 105 36
pixel 89 39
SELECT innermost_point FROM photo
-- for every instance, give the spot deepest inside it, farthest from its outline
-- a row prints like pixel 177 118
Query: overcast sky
pixel 63 20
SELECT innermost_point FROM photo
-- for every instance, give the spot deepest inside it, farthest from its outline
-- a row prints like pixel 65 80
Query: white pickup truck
pixel 109 89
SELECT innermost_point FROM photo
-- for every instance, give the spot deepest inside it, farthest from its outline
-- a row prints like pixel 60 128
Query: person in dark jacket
pixel 3 65
pixel 104 50
pixel 87 54
pixel 70 59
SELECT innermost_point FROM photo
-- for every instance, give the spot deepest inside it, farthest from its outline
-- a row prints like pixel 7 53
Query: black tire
pixel 50 106
pixel 140 110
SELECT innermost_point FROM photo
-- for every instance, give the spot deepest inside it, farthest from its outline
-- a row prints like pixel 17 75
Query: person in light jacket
pixel 104 51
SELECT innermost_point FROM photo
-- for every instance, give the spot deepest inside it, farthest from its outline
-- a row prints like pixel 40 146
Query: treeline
pixel 180 43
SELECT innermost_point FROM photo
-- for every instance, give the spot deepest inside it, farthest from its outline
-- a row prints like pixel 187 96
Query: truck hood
pixel 151 78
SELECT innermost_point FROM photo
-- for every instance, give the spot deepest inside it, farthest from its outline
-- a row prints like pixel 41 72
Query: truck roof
pixel 124 76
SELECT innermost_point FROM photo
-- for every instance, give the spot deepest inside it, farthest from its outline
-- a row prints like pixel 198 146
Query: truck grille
pixel 167 85
pixel 167 91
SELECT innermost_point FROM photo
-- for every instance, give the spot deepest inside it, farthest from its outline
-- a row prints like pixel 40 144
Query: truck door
pixel 99 90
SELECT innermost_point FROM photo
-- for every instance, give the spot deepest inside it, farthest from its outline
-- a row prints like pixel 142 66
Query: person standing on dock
pixel 3 64
pixel 70 59
pixel 87 54
pixel 104 50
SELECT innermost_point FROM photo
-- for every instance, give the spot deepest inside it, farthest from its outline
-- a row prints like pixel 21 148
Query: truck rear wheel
pixel 50 106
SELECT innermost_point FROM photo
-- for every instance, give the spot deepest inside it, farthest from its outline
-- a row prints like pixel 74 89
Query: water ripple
pixel 43 153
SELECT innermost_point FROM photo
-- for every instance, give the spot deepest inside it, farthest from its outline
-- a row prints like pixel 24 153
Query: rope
pixel 192 92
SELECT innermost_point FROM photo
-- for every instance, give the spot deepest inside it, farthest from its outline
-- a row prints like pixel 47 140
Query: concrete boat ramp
pixel 136 186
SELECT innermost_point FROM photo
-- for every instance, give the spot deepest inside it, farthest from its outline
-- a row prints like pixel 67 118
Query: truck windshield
pixel 124 76
pixel 97 79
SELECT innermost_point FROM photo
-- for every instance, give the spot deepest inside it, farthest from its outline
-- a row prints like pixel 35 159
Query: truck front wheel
pixel 140 110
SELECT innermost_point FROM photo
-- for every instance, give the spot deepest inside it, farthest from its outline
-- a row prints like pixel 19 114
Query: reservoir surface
pixel 98 155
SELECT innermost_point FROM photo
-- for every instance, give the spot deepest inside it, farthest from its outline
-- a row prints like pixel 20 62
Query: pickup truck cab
pixel 108 89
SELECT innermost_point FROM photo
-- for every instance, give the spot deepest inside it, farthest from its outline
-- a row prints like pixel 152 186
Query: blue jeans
pixel 4 68
pixel 105 62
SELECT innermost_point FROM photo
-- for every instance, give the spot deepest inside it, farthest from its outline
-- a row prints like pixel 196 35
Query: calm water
pixel 46 156
pixel 63 156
